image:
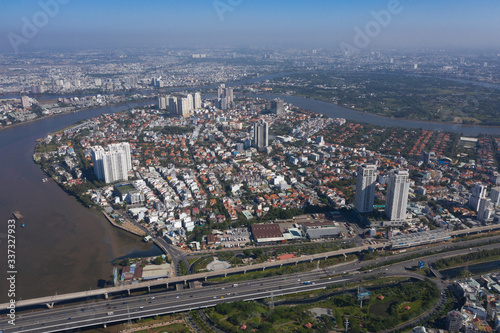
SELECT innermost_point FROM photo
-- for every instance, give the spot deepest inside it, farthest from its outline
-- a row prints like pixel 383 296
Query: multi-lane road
pixel 124 308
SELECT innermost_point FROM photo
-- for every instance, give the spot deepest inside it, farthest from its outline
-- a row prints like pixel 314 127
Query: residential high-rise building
pixel 495 196
pixel 162 102
pixel 197 101
pixel 183 108
pixel 478 192
pixel 224 97
pixel 277 106
pixel 25 101
pixel 261 134
pixel 113 163
pixel 172 105
pixel 190 102
pixel 365 188
pixel 398 187
pixel 486 209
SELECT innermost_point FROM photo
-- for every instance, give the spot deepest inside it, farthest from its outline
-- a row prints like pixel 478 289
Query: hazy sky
pixel 313 23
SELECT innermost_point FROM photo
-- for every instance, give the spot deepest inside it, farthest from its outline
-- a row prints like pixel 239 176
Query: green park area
pixel 386 306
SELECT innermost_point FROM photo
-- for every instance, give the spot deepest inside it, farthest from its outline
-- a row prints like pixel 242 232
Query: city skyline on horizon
pixel 364 25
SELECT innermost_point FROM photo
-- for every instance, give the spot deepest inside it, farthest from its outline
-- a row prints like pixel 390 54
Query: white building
pixel 224 97
pixel 261 134
pixel 478 192
pixel 365 188
pixel 113 163
pixel 398 187
pixel 162 102
pixel 25 101
pixel 495 196
pixel 197 101
pixel 486 209
pixel 183 108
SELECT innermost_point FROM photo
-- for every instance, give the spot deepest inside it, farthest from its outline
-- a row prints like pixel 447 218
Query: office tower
pixel 224 97
pixel 162 102
pixel 172 105
pixel 398 187
pixel 277 106
pixel 183 107
pixel 25 101
pixel 320 140
pixel 261 134
pixel 478 192
pixel 113 163
pixel 197 101
pixel 495 196
pixel 365 188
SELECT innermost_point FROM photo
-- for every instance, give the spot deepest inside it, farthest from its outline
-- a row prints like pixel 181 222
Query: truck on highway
pixel 307 282
pixel 235 285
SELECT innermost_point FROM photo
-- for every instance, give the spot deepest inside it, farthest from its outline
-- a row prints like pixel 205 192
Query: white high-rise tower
pixel 261 134
pixel 478 192
pixel 398 187
pixel 113 163
pixel 365 188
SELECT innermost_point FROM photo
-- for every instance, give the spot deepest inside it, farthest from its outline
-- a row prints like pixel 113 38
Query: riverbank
pixel 127 226
pixel 360 112
pixel 69 112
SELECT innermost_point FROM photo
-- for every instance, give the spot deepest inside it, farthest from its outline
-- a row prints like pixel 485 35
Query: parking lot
pixel 237 237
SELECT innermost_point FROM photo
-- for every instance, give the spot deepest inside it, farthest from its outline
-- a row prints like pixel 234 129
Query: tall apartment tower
pixel 197 101
pixel 183 108
pixel 495 196
pixel 113 163
pixel 277 106
pixel 25 101
pixel 365 188
pixel 224 97
pixel 172 105
pixel 162 102
pixel 261 134
pixel 190 102
pixel 478 192
pixel 398 187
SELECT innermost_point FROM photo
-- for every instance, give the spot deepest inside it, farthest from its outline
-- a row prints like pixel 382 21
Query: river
pixel 64 246
pixel 335 111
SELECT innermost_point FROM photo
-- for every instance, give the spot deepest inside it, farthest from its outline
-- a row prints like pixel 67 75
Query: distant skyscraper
pixel 261 134
pixel 113 163
pixel 398 187
pixel 478 192
pixel 197 101
pixel 25 101
pixel 172 105
pixel 224 97
pixel 277 106
pixel 365 188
